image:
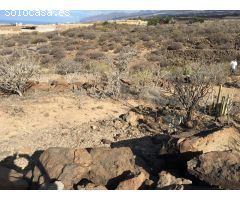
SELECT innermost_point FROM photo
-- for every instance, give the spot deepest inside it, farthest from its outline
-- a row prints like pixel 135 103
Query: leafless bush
pixel 15 74
pixel 191 85
pixel 124 57
pixel 115 79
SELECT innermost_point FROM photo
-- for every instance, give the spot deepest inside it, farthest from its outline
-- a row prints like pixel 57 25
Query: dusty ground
pixel 43 119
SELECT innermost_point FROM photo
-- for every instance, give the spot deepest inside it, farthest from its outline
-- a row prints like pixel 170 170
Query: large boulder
pixel 111 165
pixel 220 140
pixel 220 169
pixel 53 160
pixel 101 166
pixel 11 180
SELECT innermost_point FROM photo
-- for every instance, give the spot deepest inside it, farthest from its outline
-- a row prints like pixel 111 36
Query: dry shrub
pixel 179 36
pixel 141 78
pixel 145 37
pixel 58 53
pixel 117 49
pixel 164 63
pixel 175 46
pixel 219 38
pixel 103 38
pixel 99 67
pixel 71 47
pixel 71 32
pixel 23 39
pixel 191 85
pixel 39 39
pixel 138 67
pixel 57 38
pixel 15 74
pixel 87 35
pixel 9 43
pixel 43 49
pixel 80 56
pixel 153 58
pixel 149 44
pixel 120 63
pixel 52 34
pixel 96 55
pixel 71 44
pixel 124 57
pixel 6 51
pixel 87 47
pixel 66 66
pixel 46 59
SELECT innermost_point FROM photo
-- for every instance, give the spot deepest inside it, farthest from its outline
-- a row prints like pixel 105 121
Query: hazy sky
pixel 14 16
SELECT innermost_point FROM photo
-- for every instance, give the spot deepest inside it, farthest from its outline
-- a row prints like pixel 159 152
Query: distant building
pixel 19 24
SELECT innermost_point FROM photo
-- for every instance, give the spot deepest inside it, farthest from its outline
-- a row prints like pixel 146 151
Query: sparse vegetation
pixel 15 74
pixel 191 85
pixel 153 21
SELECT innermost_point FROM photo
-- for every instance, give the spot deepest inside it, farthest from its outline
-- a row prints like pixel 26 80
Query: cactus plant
pixel 222 106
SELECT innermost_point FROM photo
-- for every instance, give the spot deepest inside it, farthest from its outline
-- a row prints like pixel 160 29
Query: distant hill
pixel 149 13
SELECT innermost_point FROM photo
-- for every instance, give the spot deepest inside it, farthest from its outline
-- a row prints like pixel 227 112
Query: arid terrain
pixel 160 99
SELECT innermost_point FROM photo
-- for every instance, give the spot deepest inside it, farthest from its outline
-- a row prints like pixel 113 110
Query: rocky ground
pixel 205 160
pixel 106 144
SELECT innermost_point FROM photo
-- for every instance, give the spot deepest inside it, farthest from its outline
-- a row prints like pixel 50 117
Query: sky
pixel 27 16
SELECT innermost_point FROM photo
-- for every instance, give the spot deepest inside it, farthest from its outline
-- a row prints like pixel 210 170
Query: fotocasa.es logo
pixel 37 13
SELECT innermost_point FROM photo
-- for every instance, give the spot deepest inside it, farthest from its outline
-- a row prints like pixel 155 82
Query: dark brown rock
pixel 72 174
pixel 111 163
pixel 220 169
pixel 101 166
pixel 54 160
pixel 11 180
